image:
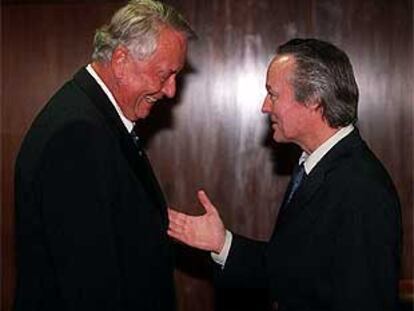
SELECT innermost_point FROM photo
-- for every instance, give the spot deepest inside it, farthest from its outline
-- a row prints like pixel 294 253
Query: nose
pixel 169 87
pixel 267 106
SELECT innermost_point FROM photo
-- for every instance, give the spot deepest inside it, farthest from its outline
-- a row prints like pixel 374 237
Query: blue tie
pixel 297 177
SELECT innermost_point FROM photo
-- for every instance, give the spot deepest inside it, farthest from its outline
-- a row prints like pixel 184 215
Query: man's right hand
pixel 205 232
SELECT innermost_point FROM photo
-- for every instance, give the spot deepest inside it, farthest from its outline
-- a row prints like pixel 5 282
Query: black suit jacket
pixel 336 246
pixel 91 219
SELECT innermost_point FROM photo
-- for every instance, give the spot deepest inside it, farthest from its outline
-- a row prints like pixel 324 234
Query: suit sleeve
pixel 245 265
pixel 78 185
pixel 366 255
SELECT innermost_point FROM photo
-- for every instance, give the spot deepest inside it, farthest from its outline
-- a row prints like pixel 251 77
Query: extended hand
pixel 205 232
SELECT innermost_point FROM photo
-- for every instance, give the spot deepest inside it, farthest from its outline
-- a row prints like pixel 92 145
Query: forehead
pixel 281 69
pixel 172 45
pixel 171 37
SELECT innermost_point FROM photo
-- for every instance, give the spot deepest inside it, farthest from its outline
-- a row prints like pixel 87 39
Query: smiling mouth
pixel 150 99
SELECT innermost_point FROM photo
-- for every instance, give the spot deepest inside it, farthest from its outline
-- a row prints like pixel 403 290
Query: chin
pixel 143 114
pixel 279 139
pixel 141 117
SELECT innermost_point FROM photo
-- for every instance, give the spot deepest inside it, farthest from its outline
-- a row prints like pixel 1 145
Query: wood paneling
pixel 213 135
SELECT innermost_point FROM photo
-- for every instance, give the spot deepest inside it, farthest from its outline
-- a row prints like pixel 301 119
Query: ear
pixel 119 61
pixel 314 104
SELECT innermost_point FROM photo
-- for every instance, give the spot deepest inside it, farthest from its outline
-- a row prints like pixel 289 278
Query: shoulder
pixel 69 103
pixel 356 165
pixel 59 136
pixel 357 177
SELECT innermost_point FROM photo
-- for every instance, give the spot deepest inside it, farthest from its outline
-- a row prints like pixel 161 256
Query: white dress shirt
pixel 128 124
pixel 309 162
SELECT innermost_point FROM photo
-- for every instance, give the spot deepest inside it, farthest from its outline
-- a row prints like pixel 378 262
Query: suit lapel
pixel 300 202
pixel 139 164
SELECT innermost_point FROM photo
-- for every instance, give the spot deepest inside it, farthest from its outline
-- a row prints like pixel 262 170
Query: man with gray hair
pixel 91 219
pixel 337 240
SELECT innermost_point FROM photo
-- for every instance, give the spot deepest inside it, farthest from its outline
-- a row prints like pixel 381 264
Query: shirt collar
pixel 128 124
pixel 310 160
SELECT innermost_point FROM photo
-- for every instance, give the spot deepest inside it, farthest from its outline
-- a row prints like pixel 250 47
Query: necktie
pixel 297 177
pixel 135 139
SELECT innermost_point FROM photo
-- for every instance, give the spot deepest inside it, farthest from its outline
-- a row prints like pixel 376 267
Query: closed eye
pixel 273 96
pixel 164 76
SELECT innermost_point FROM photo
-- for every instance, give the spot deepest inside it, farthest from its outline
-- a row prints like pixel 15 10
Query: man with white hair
pixel 91 219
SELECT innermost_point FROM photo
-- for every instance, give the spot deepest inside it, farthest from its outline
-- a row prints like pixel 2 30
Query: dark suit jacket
pixel 90 217
pixel 336 246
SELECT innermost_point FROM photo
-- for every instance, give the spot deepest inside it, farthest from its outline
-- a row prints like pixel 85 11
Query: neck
pixel 105 72
pixel 317 138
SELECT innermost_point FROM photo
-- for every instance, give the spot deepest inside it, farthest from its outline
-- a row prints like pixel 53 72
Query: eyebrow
pixel 167 72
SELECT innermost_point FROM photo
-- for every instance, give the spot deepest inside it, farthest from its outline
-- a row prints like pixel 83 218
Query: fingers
pixel 176 230
pixel 176 217
pixel 179 225
pixel 178 237
pixel 205 201
pixel 175 235
pixel 173 213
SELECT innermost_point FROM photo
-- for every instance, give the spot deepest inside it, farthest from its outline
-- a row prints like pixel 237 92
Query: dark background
pixel 213 135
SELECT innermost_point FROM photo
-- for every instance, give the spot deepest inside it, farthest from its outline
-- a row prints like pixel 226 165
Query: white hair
pixel 136 26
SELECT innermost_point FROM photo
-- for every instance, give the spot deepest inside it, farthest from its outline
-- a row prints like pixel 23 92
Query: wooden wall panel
pixel 213 135
pixel 218 125
pixel 2 253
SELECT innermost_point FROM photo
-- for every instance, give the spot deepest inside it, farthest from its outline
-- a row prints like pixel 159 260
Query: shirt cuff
pixel 222 257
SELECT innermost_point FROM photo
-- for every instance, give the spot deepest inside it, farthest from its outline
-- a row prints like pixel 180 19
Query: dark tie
pixel 297 177
pixel 136 140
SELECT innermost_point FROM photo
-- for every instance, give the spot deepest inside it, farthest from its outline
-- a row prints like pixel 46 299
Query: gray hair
pixel 136 26
pixel 324 73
